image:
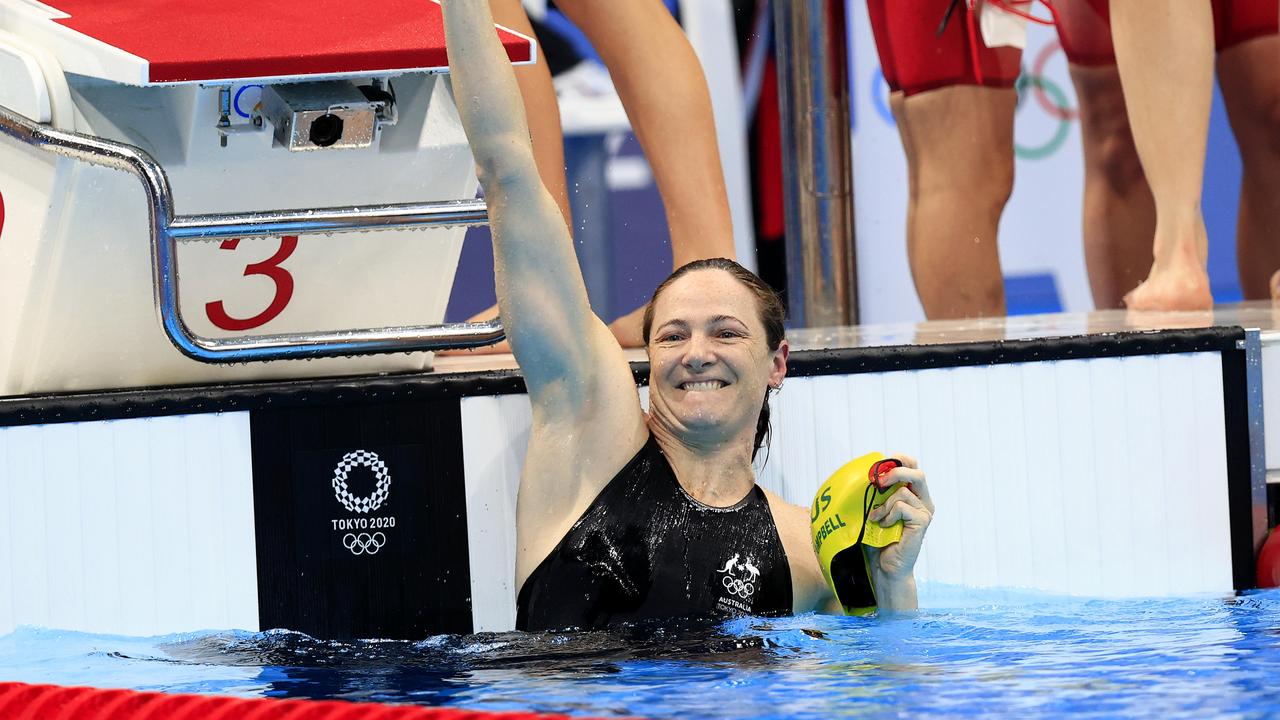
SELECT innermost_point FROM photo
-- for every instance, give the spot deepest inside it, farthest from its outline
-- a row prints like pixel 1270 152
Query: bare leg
pixel 960 142
pixel 1250 77
pixel 664 91
pixel 1164 51
pixel 1119 211
pixel 540 107
pixel 897 104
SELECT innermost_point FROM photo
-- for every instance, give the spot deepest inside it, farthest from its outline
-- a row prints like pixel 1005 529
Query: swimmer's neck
pixel 718 474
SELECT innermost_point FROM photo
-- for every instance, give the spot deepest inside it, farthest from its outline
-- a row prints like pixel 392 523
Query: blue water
pixel 982 653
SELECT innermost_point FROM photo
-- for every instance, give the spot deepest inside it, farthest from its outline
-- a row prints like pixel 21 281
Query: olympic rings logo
pixel 1057 107
pixel 364 543
pixel 737 587
pixel 361 458
pixel 1049 96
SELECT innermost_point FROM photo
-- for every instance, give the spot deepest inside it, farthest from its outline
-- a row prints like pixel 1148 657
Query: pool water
pixel 972 652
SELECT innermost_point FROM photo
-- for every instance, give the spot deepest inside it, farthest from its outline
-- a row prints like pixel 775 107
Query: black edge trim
pixel 1235 413
pixel 181 400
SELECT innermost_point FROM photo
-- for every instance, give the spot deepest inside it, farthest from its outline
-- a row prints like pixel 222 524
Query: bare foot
pixel 1275 286
pixel 1180 283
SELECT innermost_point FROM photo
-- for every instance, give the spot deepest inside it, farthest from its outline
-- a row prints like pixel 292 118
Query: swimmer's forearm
pixel 484 87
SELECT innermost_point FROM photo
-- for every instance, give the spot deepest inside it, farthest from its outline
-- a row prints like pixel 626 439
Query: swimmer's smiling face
pixel 710 362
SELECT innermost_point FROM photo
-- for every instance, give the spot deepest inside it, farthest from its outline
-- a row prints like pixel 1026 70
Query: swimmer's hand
pixel 892 566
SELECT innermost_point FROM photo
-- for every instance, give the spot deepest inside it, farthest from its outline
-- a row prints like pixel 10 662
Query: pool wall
pixel 1111 465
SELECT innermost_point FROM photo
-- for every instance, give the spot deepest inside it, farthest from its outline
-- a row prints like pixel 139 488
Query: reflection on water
pixel 988 653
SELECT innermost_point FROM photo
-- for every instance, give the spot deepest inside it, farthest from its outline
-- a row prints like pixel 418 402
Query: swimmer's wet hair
pixel 772 313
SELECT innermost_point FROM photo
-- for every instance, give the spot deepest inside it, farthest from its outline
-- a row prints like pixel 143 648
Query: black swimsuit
pixel 646 549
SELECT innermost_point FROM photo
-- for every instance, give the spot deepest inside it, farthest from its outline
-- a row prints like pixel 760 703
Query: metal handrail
pixel 167 229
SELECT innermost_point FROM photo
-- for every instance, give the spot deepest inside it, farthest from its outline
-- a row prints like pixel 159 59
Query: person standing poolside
pixel 621 515
pixel 1164 52
pixel 954 99
pixel 954 104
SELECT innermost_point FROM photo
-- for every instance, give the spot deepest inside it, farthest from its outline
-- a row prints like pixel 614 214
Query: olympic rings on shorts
pixel 364 543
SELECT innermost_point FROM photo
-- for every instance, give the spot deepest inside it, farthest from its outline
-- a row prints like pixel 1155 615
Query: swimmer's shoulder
pixel 808 587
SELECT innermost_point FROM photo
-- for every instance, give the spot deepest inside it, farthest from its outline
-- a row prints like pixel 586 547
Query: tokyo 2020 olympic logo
pixel 362 536
pixel 350 461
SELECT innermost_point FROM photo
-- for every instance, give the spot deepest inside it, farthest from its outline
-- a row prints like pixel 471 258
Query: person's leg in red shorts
pixel 1119 214
pixel 1249 72
pixel 1249 75
pixel 955 117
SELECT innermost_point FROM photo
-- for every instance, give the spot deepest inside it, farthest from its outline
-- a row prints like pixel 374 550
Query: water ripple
pixel 988 653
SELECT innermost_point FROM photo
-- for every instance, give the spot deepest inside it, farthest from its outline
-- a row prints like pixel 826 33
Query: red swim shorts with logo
pixel 1084 26
pixel 915 57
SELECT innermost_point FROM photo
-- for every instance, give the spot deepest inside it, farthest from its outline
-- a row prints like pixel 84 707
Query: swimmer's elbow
pixel 503 164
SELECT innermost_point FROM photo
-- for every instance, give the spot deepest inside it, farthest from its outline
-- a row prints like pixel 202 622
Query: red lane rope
pixel 20 701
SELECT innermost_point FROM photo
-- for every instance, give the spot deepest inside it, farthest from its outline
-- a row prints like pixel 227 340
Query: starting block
pixel 300 167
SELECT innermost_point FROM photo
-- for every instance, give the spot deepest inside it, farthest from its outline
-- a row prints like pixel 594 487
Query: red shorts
pixel 914 58
pixel 1085 26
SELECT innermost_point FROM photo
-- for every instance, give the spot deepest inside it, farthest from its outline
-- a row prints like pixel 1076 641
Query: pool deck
pixel 1262 316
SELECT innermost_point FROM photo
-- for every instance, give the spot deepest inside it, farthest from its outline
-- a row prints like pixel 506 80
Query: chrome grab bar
pixel 167 229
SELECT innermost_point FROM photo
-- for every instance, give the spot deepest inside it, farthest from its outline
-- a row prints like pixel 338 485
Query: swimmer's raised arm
pixel 542 296
pixel 587 420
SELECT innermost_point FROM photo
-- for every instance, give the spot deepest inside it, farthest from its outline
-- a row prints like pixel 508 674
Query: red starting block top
pixel 184 41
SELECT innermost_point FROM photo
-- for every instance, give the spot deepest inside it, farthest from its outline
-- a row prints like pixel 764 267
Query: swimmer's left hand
pixel 892 565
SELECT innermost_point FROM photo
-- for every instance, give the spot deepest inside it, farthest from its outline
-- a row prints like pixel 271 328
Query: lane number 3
pixel 269 268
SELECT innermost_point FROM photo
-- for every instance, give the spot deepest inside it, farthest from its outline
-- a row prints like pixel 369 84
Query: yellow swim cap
pixel 838 525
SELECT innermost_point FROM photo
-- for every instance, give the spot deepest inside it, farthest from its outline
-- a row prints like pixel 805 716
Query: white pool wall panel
pixel 1101 478
pixel 495 434
pixel 134 527
pixel 1271 402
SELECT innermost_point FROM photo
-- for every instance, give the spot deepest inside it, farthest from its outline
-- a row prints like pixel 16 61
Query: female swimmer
pixel 623 516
